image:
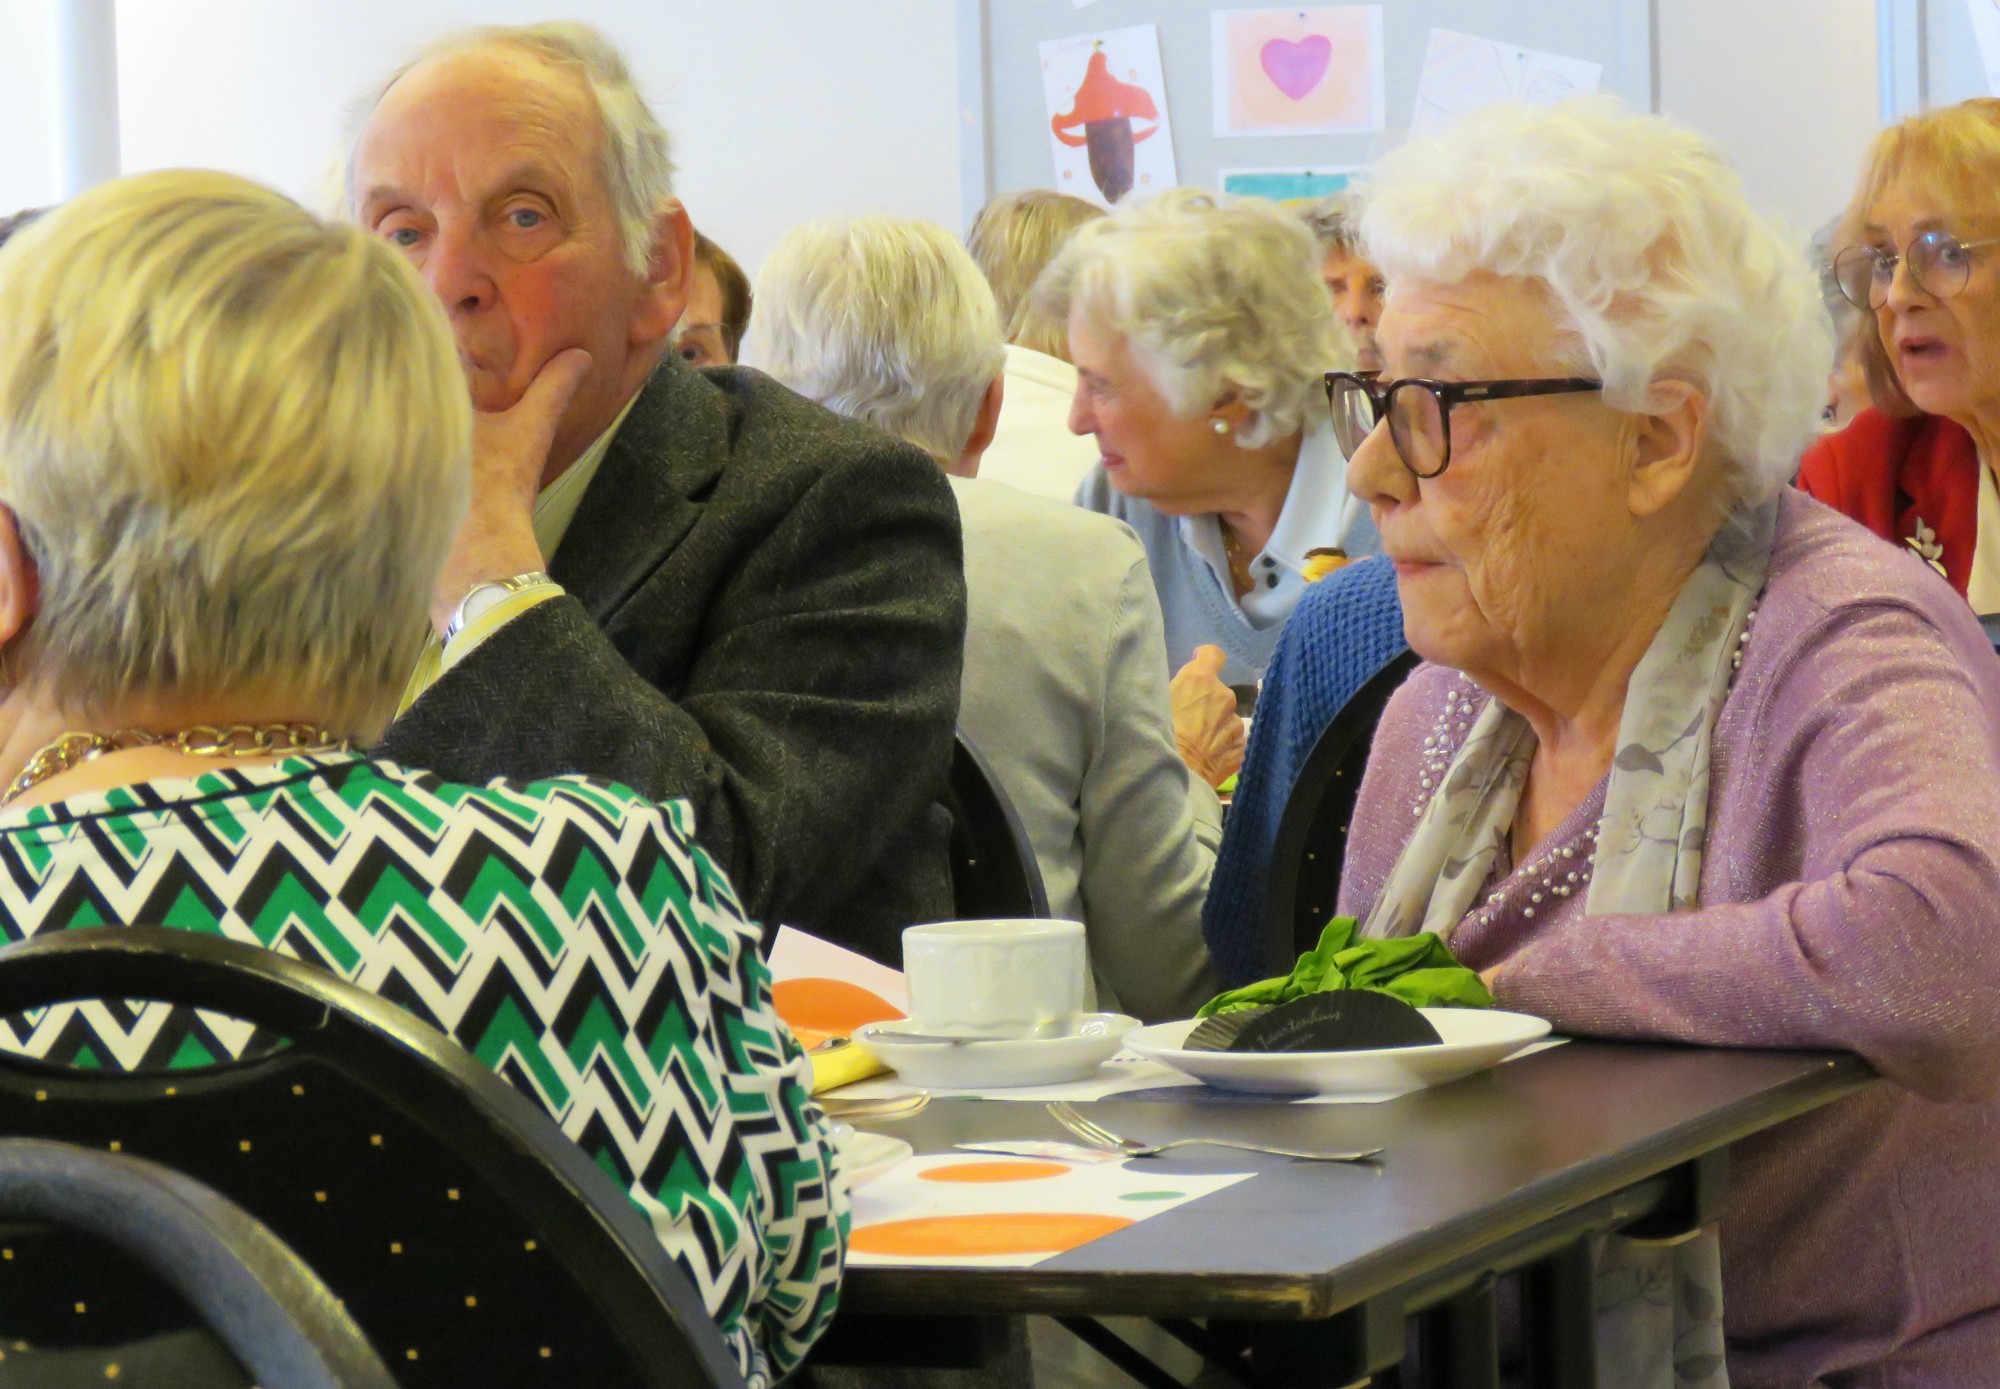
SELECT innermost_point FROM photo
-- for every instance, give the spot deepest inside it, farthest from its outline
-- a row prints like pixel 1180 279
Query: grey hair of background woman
pixel 1330 220
pixel 1656 263
pixel 1213 294
pixel 638 155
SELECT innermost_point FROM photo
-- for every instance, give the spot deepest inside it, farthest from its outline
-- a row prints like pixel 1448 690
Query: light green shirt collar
pixel 556 506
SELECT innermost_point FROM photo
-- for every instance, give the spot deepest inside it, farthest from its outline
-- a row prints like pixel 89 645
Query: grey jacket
pixel 1066 695
pixel 765 614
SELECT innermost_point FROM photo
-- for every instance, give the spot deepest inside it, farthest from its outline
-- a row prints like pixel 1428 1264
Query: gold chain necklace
pixel 203 740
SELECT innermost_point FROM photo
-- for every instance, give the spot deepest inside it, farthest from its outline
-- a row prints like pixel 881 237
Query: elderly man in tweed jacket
pixel 694 582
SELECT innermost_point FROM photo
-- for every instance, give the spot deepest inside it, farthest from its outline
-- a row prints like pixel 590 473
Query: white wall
pixel 27 127
pixel 780 109
pixel 1788 88
pixel 783 109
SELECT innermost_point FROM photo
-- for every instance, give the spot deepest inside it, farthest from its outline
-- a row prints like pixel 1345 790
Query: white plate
pixel 1000 1064
pixel 865 1156
pixel 1474 1038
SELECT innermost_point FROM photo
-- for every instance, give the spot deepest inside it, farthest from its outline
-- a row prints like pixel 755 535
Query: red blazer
pixel 1914 482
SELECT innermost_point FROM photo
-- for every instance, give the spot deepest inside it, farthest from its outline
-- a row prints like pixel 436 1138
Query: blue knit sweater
pixel 1346 628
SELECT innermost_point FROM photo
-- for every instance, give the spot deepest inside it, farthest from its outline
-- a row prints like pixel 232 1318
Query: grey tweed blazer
pixel 765 614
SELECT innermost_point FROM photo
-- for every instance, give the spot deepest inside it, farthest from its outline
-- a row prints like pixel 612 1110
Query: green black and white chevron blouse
pixel 568 932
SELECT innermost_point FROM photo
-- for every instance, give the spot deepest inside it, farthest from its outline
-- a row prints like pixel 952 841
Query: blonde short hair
pixel 884 319
pixel 1955 152
pixel 1658 268
pixel 1013 239
pixel 235 438
pixel 1212 293
pixel 637 158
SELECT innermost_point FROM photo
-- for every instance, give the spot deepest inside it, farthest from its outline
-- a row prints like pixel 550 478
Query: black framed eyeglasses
pixel 1939 263
pixel 1419 410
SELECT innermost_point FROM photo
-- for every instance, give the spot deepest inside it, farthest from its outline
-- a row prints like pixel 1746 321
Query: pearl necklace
pixel 1562 871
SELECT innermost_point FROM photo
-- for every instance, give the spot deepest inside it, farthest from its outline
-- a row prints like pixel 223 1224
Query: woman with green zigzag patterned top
pixel 233 451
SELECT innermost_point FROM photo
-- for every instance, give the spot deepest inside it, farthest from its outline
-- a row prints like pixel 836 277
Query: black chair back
pixel 471 1240
pixel 1312 833
pixel 277 1320
pixel 993 868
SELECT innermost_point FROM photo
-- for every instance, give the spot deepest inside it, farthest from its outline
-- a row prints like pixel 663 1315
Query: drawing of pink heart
pixel 1296 68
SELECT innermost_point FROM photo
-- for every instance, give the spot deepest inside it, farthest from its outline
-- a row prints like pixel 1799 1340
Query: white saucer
pixel 1474 1038
pixel 865 1156
pixel 999 1063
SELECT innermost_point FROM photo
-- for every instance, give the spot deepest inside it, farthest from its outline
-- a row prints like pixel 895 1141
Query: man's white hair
pixel 884 319
pixel 1655 262
pixel 638 166
pixel 1211 293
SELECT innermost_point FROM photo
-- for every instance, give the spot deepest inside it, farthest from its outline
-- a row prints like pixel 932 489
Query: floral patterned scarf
pixel 1659 1320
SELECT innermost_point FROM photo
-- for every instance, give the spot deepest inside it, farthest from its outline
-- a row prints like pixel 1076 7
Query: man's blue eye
pixel 404 236
pixel 526 218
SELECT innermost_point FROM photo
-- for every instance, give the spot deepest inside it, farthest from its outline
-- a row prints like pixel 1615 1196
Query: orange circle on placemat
pixel 962 1236
pixel 829 1005
pixel 995 1172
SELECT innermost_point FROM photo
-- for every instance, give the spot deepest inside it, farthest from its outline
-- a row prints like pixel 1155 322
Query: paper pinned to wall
pixel 1986 28
pixel 1314 71
pixel 1107 102
pixel 1463 72
pixel 1284 185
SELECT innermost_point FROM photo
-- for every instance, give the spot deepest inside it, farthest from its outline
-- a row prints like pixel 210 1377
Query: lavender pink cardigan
pixel 1852 901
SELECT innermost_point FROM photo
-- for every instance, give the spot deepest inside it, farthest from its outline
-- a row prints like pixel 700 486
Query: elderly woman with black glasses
pixel 1919 250
pixel 1692 757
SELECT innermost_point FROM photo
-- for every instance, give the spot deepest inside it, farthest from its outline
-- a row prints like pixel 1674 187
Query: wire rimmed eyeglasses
pixel 1419 410
pixel 1939 264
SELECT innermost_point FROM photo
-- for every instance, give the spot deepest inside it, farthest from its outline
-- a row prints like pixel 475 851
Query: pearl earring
pixel 1219 425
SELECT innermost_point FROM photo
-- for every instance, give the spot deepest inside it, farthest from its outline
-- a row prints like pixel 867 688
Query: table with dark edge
pixel 1319 1266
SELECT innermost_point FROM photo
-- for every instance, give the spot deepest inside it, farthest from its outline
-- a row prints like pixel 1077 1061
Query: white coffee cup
pixel 1002 978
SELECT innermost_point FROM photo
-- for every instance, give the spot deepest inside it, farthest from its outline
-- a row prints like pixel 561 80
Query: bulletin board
pixel 1616 34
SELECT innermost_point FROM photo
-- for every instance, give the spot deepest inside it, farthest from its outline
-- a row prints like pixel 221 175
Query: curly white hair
pixel 1212 293
pixel 1642 235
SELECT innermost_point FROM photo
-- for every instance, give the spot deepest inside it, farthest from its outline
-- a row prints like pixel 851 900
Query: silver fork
pixel 1097 1136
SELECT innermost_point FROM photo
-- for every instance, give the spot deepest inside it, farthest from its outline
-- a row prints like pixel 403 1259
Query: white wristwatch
pixel 488 595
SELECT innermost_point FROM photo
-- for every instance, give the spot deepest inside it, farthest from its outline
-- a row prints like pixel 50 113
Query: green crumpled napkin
pixel 1417 969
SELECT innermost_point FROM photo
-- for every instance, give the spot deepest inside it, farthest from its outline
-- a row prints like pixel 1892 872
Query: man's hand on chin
pixel 509 448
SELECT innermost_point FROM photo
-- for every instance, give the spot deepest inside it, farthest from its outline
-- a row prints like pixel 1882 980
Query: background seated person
pixel 1694 757
pixel 1354 285
pixel 695 583
pixel 718 310
pixel 1346 629
pixel 1915 252
pixel 1013 239
pixel 1065 688
pixel 1200 333
pixel 233 446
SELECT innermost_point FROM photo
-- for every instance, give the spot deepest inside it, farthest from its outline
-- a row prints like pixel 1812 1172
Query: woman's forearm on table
pixel 1896 959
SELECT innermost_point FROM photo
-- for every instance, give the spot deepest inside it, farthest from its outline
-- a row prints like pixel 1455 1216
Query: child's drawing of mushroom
pixel 1106 108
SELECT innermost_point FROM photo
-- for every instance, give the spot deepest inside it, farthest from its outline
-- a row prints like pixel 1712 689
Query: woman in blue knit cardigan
pixel 1347 627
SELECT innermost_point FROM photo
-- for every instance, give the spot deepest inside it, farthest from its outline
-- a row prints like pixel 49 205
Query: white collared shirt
pixel 1319 512
pixel 1032 447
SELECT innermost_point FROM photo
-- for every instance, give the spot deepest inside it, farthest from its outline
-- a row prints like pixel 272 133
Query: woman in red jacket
pixel 1922 253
